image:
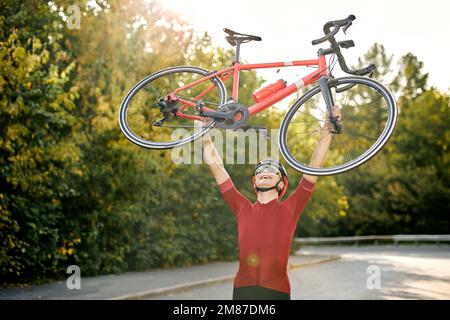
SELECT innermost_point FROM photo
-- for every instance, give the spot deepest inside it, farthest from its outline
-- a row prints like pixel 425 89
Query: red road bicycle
pixel 173 98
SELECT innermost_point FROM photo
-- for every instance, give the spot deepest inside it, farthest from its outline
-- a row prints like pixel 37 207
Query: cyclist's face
pixel 267 176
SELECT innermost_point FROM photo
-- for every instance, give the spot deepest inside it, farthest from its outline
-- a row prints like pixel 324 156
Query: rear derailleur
pixel 166 106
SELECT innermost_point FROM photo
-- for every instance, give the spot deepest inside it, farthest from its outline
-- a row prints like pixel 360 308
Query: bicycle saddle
pixel 234 37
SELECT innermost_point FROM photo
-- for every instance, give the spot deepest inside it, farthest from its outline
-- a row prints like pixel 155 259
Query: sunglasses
pixel 269 168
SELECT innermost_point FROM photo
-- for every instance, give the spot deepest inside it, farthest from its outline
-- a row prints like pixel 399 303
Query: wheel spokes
pixel 143 110
pixel 364 117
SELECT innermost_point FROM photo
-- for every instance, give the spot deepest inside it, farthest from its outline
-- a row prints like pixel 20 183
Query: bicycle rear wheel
pixel 369 114
pixel 155 114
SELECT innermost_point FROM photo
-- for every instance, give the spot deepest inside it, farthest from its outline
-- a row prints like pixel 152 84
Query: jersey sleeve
pixel 298 199
pixel 234 199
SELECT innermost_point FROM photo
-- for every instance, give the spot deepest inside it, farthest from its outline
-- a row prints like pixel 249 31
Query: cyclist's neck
pixel 267 196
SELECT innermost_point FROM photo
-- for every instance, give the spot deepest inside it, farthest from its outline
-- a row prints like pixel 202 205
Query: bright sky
pixel 288 26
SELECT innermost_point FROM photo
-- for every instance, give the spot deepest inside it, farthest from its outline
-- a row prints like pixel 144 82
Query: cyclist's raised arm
pixel 231 195
pixel 318 156
pixel 298 199
pixel 213 159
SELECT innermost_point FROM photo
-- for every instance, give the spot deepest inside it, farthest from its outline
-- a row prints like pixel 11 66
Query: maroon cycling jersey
pixel 265 235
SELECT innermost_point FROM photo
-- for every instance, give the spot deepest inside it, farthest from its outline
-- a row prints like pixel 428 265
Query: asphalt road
pixel 364 272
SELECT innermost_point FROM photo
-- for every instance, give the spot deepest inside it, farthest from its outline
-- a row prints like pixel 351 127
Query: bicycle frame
pixel 234 71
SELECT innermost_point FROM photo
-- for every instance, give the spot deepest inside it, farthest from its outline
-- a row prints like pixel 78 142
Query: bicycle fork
pixel 329 102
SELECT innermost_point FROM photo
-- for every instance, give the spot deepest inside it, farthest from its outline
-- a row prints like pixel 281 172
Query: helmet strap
pixel 267 189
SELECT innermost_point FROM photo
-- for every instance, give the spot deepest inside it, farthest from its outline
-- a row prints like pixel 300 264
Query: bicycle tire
pixel 367 155
pixel 130 135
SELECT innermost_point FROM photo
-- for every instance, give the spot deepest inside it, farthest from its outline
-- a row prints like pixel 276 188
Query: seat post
pixel 238 51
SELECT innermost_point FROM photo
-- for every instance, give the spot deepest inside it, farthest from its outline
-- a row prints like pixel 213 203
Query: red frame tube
pixel 235 70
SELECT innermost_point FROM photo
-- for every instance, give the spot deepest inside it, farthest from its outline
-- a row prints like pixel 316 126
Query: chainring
pixel 238 115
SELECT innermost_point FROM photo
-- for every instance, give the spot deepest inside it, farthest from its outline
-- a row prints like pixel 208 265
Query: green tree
pixel 37 156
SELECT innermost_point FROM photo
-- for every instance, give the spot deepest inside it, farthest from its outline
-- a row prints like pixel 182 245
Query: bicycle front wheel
pixel 369 114
pixel 159 111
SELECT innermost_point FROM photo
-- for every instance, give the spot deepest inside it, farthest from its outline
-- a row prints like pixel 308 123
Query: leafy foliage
pixel 73 190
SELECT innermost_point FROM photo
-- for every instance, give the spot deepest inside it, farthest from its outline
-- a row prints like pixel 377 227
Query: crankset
pixel 228 116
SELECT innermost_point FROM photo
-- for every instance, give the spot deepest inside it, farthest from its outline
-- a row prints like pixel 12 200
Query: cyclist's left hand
pixel 336 113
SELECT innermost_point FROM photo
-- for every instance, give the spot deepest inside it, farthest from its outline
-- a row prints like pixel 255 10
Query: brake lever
pixel 349 23
pixel 371 67
pixel 344 29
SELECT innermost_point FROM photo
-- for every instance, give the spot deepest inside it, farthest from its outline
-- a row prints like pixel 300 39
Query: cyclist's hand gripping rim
pixel 335 117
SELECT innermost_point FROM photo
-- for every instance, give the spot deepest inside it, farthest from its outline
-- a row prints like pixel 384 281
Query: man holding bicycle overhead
pixel 169 99
pixel 266 227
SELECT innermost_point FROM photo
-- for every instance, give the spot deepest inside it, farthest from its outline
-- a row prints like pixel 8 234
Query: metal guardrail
pixel 416 238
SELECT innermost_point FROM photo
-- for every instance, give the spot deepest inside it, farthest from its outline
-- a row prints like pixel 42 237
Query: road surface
pixel 364 272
